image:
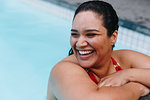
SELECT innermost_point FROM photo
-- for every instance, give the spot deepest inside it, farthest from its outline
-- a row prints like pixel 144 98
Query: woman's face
pixel 89 39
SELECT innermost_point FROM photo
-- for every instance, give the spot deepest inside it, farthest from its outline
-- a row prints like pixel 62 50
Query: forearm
pixel 141 75
pixel 129 91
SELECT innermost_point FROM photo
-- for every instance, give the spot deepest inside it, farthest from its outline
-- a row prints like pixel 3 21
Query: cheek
pixel 95 43
pixel 72 41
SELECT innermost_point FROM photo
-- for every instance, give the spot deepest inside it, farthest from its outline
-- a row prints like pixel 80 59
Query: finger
pixel 146 92
pixel 108 85
pixel 104 83
pixel 102 79
pixel 101 84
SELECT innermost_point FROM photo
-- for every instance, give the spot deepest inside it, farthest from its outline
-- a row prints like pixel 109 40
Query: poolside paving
pixel 137 11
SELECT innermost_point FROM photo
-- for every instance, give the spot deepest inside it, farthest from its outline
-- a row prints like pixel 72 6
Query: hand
pixel 145 90
pixel 142 89
pixel 116 79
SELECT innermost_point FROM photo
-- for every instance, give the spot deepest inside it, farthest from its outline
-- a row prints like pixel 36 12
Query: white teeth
pixel 85 52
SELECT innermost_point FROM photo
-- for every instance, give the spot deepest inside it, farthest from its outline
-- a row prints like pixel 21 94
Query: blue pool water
pixel 30 44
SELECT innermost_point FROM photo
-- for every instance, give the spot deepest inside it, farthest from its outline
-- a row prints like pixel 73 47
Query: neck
pixel 104 69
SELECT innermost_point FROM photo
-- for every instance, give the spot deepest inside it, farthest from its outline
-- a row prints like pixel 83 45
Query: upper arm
pixel 135 59
pixel 71 82
pixel 50 95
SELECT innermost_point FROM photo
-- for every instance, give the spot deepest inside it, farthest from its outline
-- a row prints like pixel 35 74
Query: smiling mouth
pixel 86 52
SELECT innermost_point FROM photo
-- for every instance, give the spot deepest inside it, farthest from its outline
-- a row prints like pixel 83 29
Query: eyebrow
pixel 88 30
pixel 91 30
pixel 74 30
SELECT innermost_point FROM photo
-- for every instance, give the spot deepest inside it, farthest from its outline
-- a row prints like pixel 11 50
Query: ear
pixel 114 37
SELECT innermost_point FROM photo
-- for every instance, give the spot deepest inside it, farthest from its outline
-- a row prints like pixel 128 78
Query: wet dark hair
pixel 104 9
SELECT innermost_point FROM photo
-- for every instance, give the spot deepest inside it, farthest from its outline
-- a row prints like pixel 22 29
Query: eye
pixel 74 35
pixel 90 35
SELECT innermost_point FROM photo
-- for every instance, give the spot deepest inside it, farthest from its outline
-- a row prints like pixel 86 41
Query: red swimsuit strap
pixel 92 77
pixel 116 65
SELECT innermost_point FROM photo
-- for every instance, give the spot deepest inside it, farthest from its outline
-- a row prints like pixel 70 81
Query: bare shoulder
pixel 65 80
pixel 133 58
pixel 67 64
pixel 126 51
pixel 129 54
pixel 64 67
pixel 59 72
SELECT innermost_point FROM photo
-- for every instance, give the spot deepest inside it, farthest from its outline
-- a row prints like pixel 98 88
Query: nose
pixel 82 42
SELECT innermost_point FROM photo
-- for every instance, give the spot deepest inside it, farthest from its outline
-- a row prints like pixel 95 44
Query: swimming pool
pixel 31 42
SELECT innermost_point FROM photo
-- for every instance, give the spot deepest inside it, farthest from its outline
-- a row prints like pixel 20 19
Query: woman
pixel 95 71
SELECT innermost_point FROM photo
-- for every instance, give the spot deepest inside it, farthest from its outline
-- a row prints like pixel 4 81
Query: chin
pixel 85 65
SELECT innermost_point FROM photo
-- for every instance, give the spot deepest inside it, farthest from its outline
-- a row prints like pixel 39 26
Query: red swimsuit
pixel 116 65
